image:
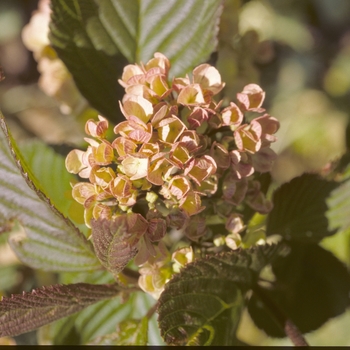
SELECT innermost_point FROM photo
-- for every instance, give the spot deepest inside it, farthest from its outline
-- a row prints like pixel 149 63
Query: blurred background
pixel 297 50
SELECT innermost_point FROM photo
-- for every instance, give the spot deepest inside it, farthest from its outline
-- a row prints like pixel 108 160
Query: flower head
pixel 176 160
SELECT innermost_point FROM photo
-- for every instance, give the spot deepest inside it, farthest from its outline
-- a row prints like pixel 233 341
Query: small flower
pixel 234 223
pixel 135 166
pixel 136 106
pixel 159 61
pixel 191 95
pixel 251 98
pixel 124 146
pixel 269 126
pixel 170 129
pixel 179 186
pixel 201 168
pixel 191 204
pixel 232 116
pixel 102 154
pixel 97 129
pixel 208 78
pixel 159 169
pixel 182 257
pixel 156 272
pixel 135 130
pixel 179 154
pixel 248 137
pixel 131 72
pixel 102 176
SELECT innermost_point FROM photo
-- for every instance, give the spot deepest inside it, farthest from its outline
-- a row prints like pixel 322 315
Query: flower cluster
pixel 180 160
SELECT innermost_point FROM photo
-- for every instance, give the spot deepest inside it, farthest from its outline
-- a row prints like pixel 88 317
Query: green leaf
pixel 202 304
pixel 25 312
pixel 42 237
pixel 50 170
pixel 339 205
pixel 299 209
pixel 91 37
pixel 311 287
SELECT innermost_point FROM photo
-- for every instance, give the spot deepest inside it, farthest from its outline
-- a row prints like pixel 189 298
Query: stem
pixel 151 311
pixel 290 329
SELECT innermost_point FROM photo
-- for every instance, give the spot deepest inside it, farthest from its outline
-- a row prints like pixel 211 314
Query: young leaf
pixel 115 241
pixel 91 38
pixel 48 240
pixel 299 209
pixel 26 312
pixel 202 304
pixel 311 287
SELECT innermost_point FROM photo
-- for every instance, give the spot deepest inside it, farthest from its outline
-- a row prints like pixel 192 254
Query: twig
pixel 151 311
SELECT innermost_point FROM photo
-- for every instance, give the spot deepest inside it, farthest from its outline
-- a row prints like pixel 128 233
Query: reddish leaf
pixel 26 312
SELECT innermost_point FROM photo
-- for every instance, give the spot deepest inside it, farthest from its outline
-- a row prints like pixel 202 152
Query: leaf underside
pixel 95 40
pixel 110 239
pixel 299 209
pixel 26 312
pixel 47 240
pixel 202 304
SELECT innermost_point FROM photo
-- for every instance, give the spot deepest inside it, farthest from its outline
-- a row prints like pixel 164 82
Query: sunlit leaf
pixel 95 38
pixel 50 170
pixel 299 209
pixel 42 237
pixel 202 304
pixel 339 205
pixel 311 287
pixel 25 312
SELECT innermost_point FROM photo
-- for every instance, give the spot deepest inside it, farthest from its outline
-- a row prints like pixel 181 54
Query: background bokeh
pixel 297 50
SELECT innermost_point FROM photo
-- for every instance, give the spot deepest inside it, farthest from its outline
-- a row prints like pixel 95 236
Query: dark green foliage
pixel 202 304
pixel 311 287
pixel 26 312
pixel 300 207
pixel 96 39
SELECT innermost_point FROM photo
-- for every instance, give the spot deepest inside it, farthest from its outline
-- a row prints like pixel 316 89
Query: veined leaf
pixel 94 321
pixel 50 170
pixel 299 209
pixel 202 304
pixel 47 240
pixel 26 312
pixel 311 286
pixel 93 38
pixel 115 241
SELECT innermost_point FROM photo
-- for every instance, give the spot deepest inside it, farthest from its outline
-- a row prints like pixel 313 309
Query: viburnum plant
pixel 180 162
pixel 167 227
